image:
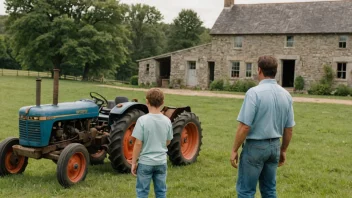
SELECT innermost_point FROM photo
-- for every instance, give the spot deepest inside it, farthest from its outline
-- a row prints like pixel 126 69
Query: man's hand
pixel 282 158
pixel 234 159
pixel 134 169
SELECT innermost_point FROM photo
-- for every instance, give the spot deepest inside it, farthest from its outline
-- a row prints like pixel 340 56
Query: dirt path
pixel 221 95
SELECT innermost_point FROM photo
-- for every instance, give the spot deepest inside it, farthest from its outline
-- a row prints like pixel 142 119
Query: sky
pixel 208 10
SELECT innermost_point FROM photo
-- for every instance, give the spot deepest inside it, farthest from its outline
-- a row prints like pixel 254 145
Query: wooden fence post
pixel 2 71
pixel 17 72
pixel 28 73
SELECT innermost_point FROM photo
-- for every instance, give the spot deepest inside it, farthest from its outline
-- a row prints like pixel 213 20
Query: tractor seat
pixel 112 103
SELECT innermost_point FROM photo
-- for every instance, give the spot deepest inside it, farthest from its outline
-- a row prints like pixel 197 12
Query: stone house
pixel 302 36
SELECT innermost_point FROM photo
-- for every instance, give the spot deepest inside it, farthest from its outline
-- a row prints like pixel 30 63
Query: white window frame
pixel 343 41
pixel 341 71
pixel 191 66
pixel 235 69
pixel 290 44
pixel 249 71
pixel 238 42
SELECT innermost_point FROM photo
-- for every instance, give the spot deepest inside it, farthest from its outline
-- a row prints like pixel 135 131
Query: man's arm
pixel 241 134
pixel 136 151
pixel 285 142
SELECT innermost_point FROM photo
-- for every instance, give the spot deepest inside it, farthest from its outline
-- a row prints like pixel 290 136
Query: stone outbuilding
pixel 302 36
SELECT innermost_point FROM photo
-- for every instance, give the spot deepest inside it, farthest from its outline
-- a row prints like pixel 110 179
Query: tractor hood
pixel 63 111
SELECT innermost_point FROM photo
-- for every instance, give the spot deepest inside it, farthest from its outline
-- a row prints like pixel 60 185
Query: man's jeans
pixel 258 161
pixel 145 174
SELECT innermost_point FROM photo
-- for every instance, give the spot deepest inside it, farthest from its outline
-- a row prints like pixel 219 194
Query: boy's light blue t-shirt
pixel 153 130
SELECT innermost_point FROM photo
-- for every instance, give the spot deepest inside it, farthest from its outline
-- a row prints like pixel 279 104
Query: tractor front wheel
pixel 122 142
pixel 72 166
pixel 10 163
pixel 185 146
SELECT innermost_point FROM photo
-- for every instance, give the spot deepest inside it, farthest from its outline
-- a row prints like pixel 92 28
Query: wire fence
pixel 28 73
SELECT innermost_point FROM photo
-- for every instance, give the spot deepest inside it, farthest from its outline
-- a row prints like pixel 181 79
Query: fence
pixel 11 72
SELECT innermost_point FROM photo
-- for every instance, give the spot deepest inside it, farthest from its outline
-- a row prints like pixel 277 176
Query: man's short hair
pixel 268 65
pixel 155 97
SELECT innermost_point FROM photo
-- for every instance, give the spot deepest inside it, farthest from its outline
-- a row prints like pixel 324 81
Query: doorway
pixel 211 66
pixel 164 71
pixel 288 73
pixel 192 74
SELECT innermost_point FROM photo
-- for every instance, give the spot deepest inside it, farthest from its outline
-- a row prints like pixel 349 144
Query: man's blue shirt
pixel 267 109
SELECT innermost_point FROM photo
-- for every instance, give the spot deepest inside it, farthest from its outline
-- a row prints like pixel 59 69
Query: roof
pixel 286 18
pixel 171 53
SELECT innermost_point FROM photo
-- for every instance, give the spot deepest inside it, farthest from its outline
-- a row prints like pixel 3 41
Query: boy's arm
pixel 168 142
pixel 136 151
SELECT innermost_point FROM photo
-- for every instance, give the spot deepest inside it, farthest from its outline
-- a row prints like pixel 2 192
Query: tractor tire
pixel 9 162
pixel 98 157
pixel 121 141
pixel 185 146
pixel 72 166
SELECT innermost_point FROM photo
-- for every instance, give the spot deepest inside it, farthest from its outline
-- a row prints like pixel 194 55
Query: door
pixel 211 66
pixel 288 73
pixel 192 75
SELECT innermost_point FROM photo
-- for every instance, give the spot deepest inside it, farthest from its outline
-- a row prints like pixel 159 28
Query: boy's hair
pixel 155 97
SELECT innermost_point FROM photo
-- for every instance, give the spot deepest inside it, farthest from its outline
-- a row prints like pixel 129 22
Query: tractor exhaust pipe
pixel 38 90
pixel 56 87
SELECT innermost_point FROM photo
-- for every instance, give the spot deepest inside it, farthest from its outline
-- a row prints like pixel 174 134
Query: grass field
pixel 319 158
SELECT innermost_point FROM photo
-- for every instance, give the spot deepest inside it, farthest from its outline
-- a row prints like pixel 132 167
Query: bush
pixel 299 83
pixel 142 85
pixel 320 89
pixel 343 90
pixel 241 86
pixel 134 80
pixel 329 75
pixel 217 85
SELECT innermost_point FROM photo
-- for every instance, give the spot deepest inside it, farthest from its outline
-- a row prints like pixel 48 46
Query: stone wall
pixel 311 52
pixel 179 65
pixel 148 77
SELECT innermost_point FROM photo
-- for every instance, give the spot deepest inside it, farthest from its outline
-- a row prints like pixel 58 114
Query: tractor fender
pixel 120 109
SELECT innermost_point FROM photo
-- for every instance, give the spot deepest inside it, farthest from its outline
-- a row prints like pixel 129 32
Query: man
pixel 266 116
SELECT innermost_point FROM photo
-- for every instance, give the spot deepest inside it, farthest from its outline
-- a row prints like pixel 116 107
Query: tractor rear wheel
pixel 72 166
pixel 10 163
pixel 185 146
pixel 121 141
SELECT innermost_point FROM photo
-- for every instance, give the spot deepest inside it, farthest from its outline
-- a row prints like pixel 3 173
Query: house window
pixel 235 70
pixel 238 41
pixel 290 40
pixel 341 70
pixel 192 64
pixel 249 70
pixel 147 69
pixel 342 41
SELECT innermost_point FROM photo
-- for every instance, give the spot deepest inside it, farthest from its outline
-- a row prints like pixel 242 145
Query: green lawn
pixel 319 158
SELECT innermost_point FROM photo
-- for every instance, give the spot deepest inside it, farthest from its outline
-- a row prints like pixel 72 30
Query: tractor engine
pixel 73 130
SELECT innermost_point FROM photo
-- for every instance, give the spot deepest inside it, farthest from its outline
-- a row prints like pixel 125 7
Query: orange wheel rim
pixel 98 154
pixel 128 143
pixel 189 141
pixel 76 167
pixel 13 163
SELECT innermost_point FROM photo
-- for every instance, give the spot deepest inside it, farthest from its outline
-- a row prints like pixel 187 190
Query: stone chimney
pixel 229 3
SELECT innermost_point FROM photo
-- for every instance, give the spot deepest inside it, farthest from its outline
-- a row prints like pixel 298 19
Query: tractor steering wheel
pixel 100 100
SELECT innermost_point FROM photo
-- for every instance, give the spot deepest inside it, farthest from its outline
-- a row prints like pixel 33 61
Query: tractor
pixel 77 134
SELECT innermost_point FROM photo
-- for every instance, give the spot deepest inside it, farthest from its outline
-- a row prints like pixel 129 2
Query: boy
pixel 153 133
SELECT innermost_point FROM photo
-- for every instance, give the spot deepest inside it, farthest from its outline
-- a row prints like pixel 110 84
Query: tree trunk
pixel 85 72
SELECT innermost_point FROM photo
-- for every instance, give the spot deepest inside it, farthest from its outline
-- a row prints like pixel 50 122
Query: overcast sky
pixel 208 10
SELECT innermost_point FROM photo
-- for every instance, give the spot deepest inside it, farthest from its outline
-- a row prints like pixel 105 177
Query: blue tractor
pixel 76 134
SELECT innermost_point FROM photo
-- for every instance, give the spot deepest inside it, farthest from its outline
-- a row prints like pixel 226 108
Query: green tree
pixel 7 60
pixel 186 30
pixel 2 24
pixel 68 34
pixel 147 37
pixel 205 36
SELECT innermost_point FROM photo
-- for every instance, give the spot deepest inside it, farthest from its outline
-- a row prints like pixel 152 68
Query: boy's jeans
pixel 258 161
pixel 145 174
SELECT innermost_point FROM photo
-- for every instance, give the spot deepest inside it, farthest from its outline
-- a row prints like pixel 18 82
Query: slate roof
pixel 286 18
